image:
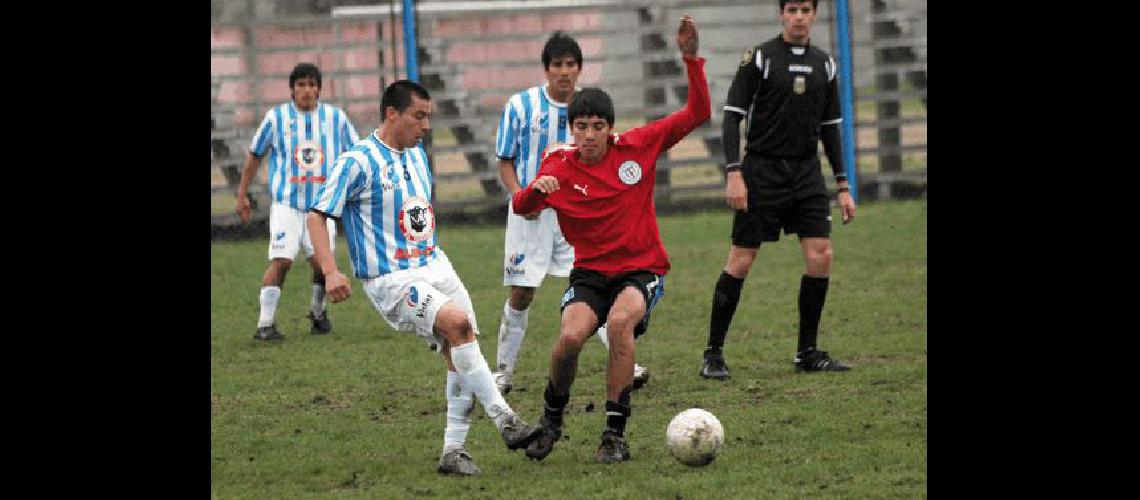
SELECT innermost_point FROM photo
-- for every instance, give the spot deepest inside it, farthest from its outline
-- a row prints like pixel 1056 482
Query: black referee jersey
pixel 785 96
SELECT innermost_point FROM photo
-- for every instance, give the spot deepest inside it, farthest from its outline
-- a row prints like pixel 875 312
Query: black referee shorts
pixel 787 194
pixel 599 292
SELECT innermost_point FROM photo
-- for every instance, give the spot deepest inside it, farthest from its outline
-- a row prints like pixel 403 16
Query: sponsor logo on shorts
pixel 567 297
pixel 279 235
pixel 517 258
pixel 423 306
pixel 629 172
pixel 413 297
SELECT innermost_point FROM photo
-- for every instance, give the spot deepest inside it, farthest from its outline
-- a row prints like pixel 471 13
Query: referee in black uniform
pixel 787 90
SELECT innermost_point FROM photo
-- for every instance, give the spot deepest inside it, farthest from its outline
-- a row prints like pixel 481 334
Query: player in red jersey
pixel 602 190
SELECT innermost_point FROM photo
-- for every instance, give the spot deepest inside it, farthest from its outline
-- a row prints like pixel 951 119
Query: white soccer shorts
pixel 534 248
pixel 289 233
pixel 410 299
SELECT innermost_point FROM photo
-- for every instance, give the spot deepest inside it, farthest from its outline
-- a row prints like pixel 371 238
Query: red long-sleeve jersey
pixel 606 209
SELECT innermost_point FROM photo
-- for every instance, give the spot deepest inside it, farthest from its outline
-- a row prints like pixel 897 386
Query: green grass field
pixel 360 413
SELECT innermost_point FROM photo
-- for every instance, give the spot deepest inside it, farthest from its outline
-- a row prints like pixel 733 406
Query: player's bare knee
pixel 521 297
pixel 740 262
pixel 620 319
pixel 572 339
pixel 818 259
pixel 452 324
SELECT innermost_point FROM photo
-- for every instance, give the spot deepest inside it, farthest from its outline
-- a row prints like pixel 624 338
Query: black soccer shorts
pixel 782 194
pixel 599 292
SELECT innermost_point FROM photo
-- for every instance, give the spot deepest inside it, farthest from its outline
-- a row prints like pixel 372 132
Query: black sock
pixel 725 297
pixel 618 411
pixel 616 415
pixel 554 404
pixel 813 292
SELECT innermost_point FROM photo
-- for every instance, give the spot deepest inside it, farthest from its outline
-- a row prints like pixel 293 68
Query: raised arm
pixel 697 106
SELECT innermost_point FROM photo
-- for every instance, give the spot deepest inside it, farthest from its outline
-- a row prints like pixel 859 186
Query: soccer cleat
pixel 541 447
pixel 613 449
pixel 268 333
pixel 517 434
pixel 812 360
pixel 640 376
pixel 714 366
pixel 457 462
pixel 321 324
pixel 503 381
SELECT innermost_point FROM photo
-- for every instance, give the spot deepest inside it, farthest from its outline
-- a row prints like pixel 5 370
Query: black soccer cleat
pixel 613 449
pixel 714 366
pixel 541 447
pixel 812 360
pixel 321 324
pixel 268 333
pixel 517 433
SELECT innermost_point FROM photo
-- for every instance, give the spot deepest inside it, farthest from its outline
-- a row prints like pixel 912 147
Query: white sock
pixel 603 335
pixel 512 329
pixel 459 406
pixel 269 297
pixel 319 304
pixel 475 376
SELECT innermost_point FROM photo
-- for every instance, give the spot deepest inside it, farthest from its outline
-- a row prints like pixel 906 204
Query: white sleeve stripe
pixel 832 122
pixel 735 109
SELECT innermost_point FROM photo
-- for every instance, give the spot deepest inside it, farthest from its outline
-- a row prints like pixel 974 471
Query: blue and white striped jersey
pixel 302 147
pixel 383 198
pixel 530 122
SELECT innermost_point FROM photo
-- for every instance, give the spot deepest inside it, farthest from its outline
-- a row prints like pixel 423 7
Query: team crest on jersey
pixel 567 297
pixel 799 86
pixel 308 155
pixel 747 57
pixel 413 297
pixel 629 172
pixel 417 220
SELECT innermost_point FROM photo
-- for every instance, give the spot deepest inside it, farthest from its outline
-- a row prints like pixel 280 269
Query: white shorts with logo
pixel 289 233
pixel 410 299
pixel 534 248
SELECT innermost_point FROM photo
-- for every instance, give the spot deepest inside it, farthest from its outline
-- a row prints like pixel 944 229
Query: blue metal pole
pixel 847 95
pixel 410 63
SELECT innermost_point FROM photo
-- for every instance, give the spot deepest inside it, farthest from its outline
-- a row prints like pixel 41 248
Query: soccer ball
pixel 694 437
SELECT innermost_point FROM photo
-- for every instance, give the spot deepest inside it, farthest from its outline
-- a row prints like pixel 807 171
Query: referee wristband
pixel 843 190
pixel 731 166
